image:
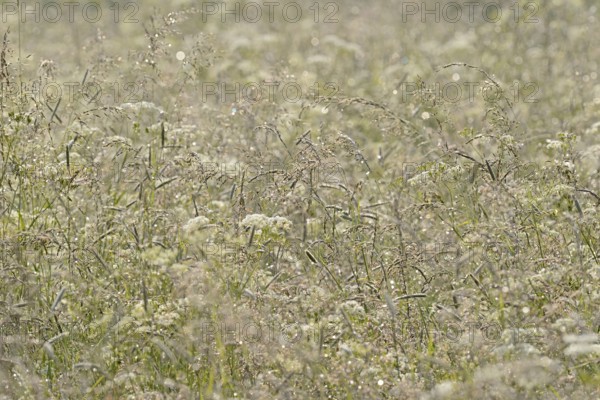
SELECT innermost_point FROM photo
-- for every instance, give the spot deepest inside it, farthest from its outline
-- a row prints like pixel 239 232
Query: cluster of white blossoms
pixel 260 221
pixel 281 224
pixel 552 144
pixel 195 223
pixel 569 166
pixel 139 106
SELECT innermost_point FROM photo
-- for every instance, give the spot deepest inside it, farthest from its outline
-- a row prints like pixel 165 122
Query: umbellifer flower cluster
pixel 260 222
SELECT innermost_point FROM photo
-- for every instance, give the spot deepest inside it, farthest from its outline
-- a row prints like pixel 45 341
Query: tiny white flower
pixel 569 166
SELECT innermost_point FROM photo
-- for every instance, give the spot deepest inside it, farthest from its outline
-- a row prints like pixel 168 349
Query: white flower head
pixel 195 223
pixel 281 224
pixel 260 221
pixel 256 220
pixel 569 166
pixel 552 144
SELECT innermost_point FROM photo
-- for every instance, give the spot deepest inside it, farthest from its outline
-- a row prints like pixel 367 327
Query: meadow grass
pixel 366 237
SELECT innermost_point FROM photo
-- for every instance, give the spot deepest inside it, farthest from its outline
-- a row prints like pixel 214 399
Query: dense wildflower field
pixel 300 200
